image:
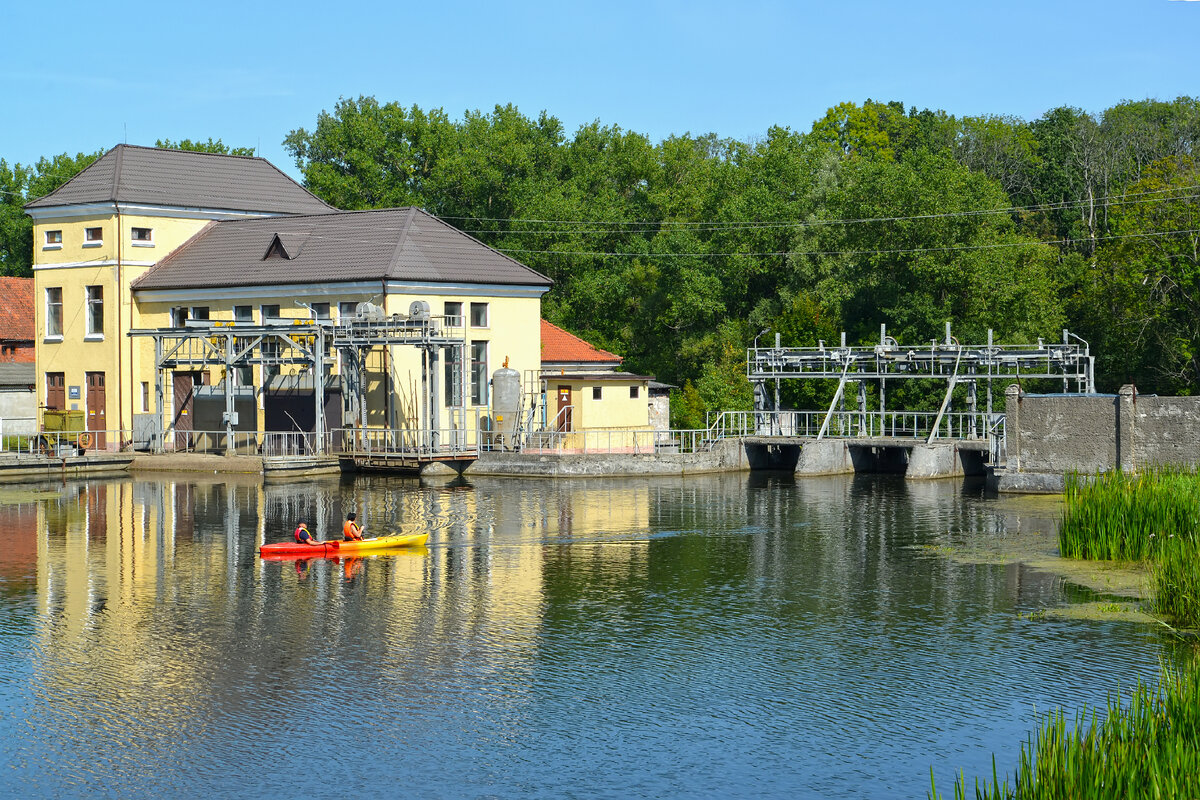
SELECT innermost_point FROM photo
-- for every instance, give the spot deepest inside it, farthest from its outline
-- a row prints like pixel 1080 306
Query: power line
pixel 719 225
pixel 896 251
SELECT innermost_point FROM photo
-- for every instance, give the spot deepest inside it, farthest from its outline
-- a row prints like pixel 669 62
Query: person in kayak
pixel 352 531
pixel 303 536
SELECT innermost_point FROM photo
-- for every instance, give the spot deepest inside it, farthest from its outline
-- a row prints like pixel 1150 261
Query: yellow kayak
pixel 336 547
pixel 378 543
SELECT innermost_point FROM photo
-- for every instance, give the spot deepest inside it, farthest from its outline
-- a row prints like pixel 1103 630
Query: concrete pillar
pixel 824 457
pixel 933 461
pixel 1126 416
pixel 1012 427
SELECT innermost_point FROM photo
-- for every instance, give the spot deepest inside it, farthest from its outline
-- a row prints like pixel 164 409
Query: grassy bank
pixel 1146 747
pixel 1149 745
pixel 1154 518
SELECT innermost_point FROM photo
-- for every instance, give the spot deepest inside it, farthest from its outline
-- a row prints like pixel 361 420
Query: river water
pixel 735 635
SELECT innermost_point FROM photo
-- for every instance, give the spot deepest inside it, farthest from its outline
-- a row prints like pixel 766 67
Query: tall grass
pixel 1175 580
pixel 1146 748
pixel 1120 517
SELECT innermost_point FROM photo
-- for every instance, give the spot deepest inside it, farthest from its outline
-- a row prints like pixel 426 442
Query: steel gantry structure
pixel 949 361
pixel 306 346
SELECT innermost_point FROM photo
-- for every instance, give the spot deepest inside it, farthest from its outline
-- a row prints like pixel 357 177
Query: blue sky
pixel 83 77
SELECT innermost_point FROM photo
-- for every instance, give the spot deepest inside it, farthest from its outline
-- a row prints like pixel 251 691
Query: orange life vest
pixel 349 533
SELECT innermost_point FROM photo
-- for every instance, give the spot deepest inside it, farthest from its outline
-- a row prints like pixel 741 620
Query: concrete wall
pixel 1049 435
pixel 726 456
pixel 1044 432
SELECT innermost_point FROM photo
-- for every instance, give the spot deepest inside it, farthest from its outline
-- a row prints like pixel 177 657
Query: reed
pixel 1147 747
pixel 1120 517
pixel 1175 581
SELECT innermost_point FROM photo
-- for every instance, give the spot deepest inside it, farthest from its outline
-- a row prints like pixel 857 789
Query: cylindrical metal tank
pixel 506 406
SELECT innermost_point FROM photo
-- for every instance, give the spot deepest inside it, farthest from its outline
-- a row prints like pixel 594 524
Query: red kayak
pixel 334 548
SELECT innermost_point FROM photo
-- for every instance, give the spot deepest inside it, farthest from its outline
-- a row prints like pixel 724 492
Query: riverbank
pixel 1142 528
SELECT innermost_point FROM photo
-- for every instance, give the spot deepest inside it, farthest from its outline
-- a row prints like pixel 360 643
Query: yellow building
pixel 148 238
pixel 590 405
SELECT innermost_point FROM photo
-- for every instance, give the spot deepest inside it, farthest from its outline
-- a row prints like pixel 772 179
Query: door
pixel 97 421
pixel 564 408
pixel 183 385
pixel 56 392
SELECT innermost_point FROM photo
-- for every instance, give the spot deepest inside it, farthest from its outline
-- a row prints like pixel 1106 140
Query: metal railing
pixel 857 424
pixel 619 440
pixel 62 444
pixel 451 442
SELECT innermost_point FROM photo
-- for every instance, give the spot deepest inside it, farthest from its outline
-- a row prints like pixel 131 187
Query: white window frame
pixel 135 242
pixel 93 242
pixel 93 306
pixel 346 310
pixel 479 379
pixel 47 244
pixel 486 314
pixel 452 311
pixel 57 335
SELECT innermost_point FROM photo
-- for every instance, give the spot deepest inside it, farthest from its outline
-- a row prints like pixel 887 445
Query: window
pixel 321 311
pixel 633 393
pixel 142 237
pixel 93 237
pixel 178 317
pixel 244 375
pixel 479 390
pixel 454 376
pixel 95 311
pixel 145 396
pixel 270 345
pixel 479 315
pixel 53 240
pixel 54 318
pixel 56 395
pixel 596 393
pixel 453 312
pixel 347 312
pixel 198 312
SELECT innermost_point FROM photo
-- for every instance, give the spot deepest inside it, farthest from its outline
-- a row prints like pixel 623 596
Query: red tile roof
pixel 16 309
pixel 558 346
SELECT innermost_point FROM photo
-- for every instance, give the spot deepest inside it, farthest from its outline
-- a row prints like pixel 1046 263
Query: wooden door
pixel 182 390
pixel 97 420
pixel 56 391
pixel 564 408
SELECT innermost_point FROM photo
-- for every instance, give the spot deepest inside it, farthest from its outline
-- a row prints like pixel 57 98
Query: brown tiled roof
pixel 184 179
pixel 560 347
pixel 16 309
pixel 404 244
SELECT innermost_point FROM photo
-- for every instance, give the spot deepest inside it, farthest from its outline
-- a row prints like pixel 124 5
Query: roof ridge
pixel 60 187
pixel 197 152
pixel 116 183
pixel 484 244
pixel 404 228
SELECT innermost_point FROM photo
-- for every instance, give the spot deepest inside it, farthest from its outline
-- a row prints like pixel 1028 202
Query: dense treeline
pixel 676 254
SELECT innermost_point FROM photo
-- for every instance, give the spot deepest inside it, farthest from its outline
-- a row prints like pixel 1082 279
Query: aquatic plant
pixel 1116 516
pixel 1175 580
pixel 1147 747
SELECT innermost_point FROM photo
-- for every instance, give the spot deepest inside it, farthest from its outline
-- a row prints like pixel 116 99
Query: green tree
pixel 208 146
pixel 19 184
pixel 1144 287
